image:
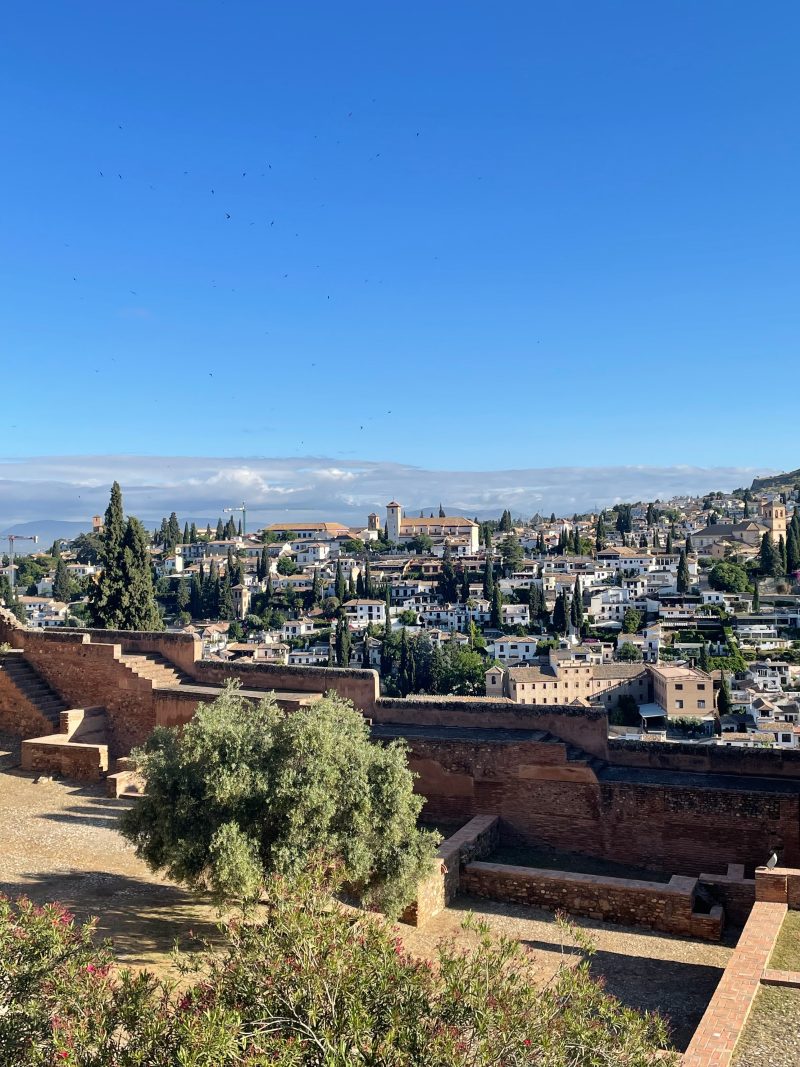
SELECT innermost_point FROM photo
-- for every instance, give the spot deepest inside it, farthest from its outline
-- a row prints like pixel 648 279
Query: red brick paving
pixel 723 1022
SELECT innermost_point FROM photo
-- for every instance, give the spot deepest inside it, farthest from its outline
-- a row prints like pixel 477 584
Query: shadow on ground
pixel 143 919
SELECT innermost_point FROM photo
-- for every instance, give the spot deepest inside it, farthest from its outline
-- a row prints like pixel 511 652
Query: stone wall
pixel 733 891
pixel 81 762
pixel 360 686
pixel 682 827
pixel 478 838
pixel 587 728
pixel 658 906
pixel 705 759
pixel 86 674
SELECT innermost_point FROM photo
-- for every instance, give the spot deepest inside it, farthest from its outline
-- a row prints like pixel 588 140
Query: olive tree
pixel 244 791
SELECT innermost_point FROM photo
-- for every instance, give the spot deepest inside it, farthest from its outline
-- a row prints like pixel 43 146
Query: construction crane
pixel 11 538
pixel 243 509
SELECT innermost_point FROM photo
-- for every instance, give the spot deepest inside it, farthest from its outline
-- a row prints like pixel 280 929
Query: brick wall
pixel 705 759
pixel 655 905
pixel 585 727
pixel 682 830
pixel 357 685
pixel 86 674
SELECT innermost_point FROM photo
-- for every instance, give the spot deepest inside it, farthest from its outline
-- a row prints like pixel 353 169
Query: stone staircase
pixel 32 687
pixel 155 668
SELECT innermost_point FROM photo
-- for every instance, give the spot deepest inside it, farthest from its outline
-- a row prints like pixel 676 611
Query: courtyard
pixel 58 841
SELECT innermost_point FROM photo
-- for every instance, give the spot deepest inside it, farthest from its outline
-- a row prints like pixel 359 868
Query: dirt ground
pixel 58 842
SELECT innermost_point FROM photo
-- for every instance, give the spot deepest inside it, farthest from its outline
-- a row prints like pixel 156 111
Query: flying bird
pixel 227 216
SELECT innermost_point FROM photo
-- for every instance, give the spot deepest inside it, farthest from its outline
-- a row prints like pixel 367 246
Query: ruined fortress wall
pixel 681 830
pixel 706 759
pixel 585 727
pixel 360 686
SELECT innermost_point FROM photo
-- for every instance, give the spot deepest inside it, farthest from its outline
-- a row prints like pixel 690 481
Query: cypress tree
pixel 496 617
pixel 226 597
pixel 359 585
pixel 560 613
pixel 792 552
pixel 689 545
pixel 448 581
pixel 268 591
pixel 669 543
pixel 442 512
pixel 781 554
pixel 683 574
pixel 756 596
pixel 262 567
pixel 577 604
pixel 342 640
pixel 183 596
pixel 464 586
pixel 724 698
pixel 239 528
pixel 488 578
pixel 196 599
pixel 62 583
pixel 369 588
pixel 600 534
pixel 211 592
pixel 316 588
pixel 768 557
pixel 387 609
pixel 220 531
pixel 107 598
pixel 704 656
pixel 193 534
pixel 141 611
pixel 208 532
pixel 186 535
pixel 351 586
pixel 340 589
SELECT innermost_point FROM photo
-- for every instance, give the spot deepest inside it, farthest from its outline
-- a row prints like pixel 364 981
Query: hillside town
pixel 679 618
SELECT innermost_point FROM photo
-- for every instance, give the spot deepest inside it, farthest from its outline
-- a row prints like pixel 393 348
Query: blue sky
pixel 462 236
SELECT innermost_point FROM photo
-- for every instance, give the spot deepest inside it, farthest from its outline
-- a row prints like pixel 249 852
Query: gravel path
pixel 58 841
pixel 771 1037
pixel 649 971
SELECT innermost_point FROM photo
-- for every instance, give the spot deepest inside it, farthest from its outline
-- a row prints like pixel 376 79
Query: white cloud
pixel 76 487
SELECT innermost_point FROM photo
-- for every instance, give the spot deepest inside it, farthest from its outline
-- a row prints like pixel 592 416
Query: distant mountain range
pixel 49 530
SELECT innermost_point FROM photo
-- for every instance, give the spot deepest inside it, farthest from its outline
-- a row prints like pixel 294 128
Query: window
pixel 679 704
pixel 786 738
pixel 701 685
pixel 701 703
pixel 679 685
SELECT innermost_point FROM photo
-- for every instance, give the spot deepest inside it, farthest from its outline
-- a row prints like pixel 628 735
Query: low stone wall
pixel 71 759
pixel 654 905
pixel 478 838
pixel 733 891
